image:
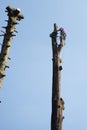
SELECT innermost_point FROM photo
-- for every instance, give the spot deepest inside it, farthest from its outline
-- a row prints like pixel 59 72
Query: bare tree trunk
pixel 57 101
pixel 14 15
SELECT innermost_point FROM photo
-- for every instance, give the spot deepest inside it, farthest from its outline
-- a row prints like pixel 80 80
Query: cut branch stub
pixel 14 15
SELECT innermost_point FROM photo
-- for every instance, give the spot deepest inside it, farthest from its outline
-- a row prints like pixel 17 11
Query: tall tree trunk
pixel 57 101
pixel 14 15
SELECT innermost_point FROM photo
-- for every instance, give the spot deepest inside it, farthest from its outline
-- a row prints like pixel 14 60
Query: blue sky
pixel 26 90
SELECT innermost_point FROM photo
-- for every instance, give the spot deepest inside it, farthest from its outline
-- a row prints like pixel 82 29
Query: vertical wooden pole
pixel 57 101
pixel 14 15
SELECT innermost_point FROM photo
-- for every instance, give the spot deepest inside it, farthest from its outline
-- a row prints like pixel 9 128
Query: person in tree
pixel 62 36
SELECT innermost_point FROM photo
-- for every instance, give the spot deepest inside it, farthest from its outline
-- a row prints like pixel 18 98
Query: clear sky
pixel 27 88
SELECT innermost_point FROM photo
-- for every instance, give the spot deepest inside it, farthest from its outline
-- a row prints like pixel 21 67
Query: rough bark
pixel 13 16
pixel 57 101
